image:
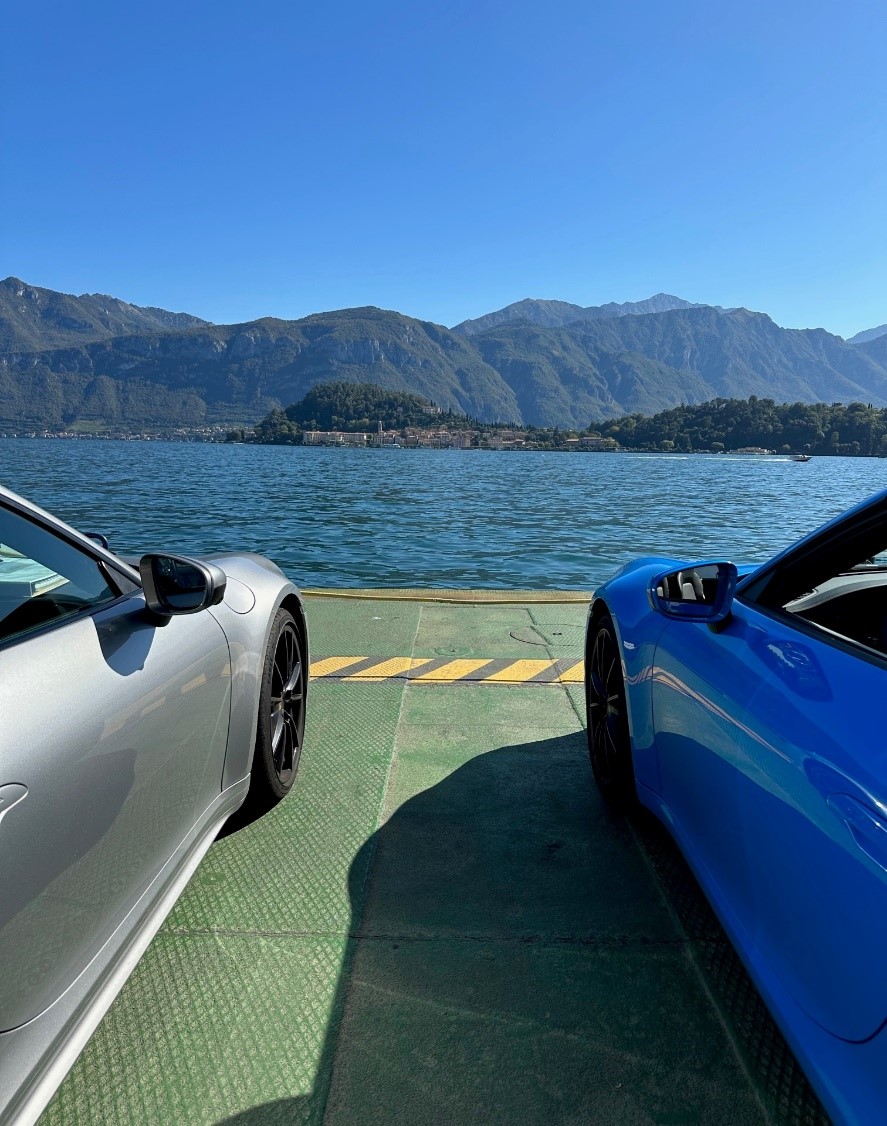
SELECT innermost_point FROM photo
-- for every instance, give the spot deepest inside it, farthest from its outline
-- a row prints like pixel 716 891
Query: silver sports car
pixel 140 707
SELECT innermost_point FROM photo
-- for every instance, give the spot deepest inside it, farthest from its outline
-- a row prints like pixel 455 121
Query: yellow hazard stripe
pixel 394 666
pixel 453 670
pixel 330 665
pixel 470 670
pixel 520 671
pixel 575 675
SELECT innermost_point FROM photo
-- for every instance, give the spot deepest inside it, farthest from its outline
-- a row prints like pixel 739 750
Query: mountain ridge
pixel 93 361
pixel 868 334
pixel 556 314
pixel 32 318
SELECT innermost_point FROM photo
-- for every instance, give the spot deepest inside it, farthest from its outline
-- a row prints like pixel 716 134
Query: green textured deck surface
pixel 441 924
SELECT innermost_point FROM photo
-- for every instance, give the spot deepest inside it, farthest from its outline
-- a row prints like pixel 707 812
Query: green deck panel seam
pixel 560 683
pixel 688 946
pixel 343 988
pixel 604 942
pixel 702 977
pixel 578 712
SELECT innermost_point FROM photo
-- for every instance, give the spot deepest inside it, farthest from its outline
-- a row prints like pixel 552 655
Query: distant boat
pixel 800 457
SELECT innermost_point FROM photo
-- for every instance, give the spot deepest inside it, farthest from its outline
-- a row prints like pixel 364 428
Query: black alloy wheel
pixel 609 742
pixel 287 705
pixel 281 726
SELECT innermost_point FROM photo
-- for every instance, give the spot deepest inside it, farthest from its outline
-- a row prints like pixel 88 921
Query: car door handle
pixel 10 795
pixel 868 829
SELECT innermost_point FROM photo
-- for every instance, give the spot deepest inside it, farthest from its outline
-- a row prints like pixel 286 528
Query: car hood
pixel 240 563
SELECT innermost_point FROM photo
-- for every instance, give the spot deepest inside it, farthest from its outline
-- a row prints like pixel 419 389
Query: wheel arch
pixel 248 636
pixel 270 779
pixel 638 630
pixel 293 602
pixel 599 609
pixel 613 769
pixel 596 611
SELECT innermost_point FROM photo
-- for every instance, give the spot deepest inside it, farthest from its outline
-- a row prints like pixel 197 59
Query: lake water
pixel 434 518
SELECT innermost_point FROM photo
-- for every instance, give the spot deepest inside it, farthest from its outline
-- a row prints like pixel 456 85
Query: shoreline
pixel 199 438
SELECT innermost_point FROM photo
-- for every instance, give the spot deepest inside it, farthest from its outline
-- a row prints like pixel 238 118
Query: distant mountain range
pixel 868 334
pixel 555 314
pixel 94 361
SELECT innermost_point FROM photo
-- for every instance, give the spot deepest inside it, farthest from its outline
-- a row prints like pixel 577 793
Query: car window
pixel 43 578
pixel 839 587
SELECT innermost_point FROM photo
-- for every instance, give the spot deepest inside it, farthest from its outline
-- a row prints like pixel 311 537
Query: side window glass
pixel 851 605
pixel 43 578
pixel 839 586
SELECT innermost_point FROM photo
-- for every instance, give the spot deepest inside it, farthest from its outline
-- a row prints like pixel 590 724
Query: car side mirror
pixel 702 592
pixel 174 584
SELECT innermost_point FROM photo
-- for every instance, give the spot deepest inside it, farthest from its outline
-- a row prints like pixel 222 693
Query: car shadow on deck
pixel 518 953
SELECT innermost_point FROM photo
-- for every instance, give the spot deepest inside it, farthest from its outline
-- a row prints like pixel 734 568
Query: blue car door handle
pixel 867 827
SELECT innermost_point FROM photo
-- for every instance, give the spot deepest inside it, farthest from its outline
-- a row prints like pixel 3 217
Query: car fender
pixel 638 628
pixel 248 629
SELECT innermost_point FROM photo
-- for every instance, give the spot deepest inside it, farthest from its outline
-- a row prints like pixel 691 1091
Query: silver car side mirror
pixel 174 584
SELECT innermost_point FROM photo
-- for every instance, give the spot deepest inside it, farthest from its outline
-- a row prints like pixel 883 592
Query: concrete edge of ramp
pixel 490 597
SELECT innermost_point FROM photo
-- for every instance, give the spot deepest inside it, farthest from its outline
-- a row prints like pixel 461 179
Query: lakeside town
pixel 412 437
pixel 362 416
pixel 409 438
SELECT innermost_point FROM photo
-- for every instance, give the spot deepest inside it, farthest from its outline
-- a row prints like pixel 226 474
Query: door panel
pixel 117 728
pixel 764 735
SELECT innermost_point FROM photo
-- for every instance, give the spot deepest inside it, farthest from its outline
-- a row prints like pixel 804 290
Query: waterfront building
pixel 595 442
pixel 333 438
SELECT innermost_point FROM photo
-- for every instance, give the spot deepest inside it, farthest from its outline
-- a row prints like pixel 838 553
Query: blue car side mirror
pixel 702 592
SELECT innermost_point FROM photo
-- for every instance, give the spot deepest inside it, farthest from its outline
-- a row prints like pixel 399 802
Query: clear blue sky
pixel 236 160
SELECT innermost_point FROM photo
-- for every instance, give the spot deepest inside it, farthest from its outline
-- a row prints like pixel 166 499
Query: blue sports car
pixel 744 708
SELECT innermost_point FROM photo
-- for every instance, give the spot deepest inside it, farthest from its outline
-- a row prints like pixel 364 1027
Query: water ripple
pixel 434 518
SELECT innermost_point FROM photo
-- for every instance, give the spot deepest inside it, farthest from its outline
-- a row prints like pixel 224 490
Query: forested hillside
pixel 729 424
pixel 352 407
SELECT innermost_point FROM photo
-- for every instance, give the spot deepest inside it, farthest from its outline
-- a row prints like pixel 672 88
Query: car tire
pixel 281 725
pixel 609 741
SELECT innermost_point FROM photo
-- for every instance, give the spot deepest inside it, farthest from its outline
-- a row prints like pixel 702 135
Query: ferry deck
pixel 442 923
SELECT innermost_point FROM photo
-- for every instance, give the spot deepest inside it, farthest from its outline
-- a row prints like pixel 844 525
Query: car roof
pixel 28 508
